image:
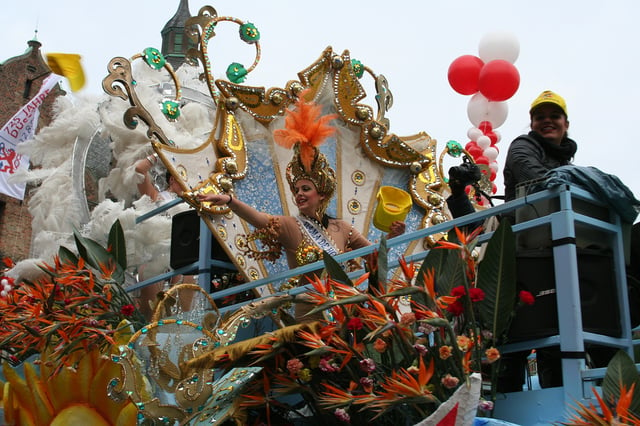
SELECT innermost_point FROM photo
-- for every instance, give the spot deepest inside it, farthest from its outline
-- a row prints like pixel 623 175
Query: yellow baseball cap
pixel 548 97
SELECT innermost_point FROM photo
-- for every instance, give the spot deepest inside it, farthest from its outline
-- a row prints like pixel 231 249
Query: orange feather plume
pixel 305 125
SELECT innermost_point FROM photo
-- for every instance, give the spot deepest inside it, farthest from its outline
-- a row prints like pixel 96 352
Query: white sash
pixel 318 235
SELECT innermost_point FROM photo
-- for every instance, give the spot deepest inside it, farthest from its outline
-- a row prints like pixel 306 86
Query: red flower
pixel 476 294
pixel 458 291
pixel 127 310
pixel 526 297
pixel 456 308
pixel 354 324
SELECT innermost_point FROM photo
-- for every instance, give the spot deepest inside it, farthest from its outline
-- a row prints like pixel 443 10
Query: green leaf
pixel 67 256
pixel 621 371
pixel 383 263
pixel 95 255
pixel 404 291
pixel 334 269
pixel 117 243
pixel 448 268
pixel 497 278
pixel 358 298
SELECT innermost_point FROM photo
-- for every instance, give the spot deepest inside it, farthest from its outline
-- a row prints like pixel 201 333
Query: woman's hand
pixel 215 199
pixel 396 228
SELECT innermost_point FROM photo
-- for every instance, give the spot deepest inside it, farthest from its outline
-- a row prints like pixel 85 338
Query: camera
pixel 465 174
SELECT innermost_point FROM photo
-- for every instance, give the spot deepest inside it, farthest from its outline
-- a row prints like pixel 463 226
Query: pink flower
pixel 450 381
pixel 367 384
pixel 342 415
pixel 421 349
pixel 526 297
pixel 327 366
pixel 294 365
pixel 485 405
pixel 368 365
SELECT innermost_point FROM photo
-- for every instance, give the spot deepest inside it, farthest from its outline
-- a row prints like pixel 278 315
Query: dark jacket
pixel 530 157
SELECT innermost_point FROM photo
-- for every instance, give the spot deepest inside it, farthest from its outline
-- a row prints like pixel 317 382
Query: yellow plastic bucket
pixel 393 205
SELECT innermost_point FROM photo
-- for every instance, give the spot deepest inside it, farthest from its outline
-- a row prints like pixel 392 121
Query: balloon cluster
pixel 491 79
pixel 6 285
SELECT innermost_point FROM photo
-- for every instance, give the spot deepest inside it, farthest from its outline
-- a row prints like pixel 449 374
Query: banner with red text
pixel 20 127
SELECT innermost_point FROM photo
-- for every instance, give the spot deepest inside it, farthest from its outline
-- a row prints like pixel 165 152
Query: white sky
pixel 585 50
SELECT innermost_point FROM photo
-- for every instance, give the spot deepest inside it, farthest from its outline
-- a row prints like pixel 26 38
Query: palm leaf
pixel 352 300
pixel 621 371
pixel 383 265
pixel 117 244
pixel 334 269
pixel 448 267
pixel 67 256
pixel 497 278
pixel 95 255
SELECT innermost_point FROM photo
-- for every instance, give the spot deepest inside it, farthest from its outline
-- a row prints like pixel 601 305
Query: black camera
pixel 465 174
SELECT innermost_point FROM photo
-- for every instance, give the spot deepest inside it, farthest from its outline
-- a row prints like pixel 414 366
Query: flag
pixel 461 407
pixel 20 127
pixel 67 65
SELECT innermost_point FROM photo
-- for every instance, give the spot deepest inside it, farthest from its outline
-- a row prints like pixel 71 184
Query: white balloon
pixel 499 45
pixel 483 142
pixel 3 293
pixel 493 165
pixel 474 133
pixel 480 109
pixel 491 153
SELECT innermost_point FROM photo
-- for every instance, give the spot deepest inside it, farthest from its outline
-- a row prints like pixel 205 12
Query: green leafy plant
pixel 387 351
pixel 78 304
pixel 619 404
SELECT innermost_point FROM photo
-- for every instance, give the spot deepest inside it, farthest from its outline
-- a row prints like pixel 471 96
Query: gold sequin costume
pixel 303 239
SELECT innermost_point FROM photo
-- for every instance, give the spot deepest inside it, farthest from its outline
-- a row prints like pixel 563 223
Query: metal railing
pixel 567 221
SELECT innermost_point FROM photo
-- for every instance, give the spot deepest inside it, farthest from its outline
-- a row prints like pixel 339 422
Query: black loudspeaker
pixel 599 302
pixel 185 241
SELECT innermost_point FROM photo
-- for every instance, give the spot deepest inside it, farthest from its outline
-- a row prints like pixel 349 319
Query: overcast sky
pixel 585 50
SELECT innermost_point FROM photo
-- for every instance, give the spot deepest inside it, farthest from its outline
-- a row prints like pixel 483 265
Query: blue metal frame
pixel 531 407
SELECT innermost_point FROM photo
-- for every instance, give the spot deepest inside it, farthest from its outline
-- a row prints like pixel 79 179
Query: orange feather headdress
pixel 305 130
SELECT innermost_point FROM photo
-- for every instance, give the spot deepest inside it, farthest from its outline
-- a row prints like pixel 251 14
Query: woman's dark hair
pixel 325 220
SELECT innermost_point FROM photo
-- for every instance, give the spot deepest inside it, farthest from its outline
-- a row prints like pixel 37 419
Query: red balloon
pixel 485 127
pixel 498 80
pixel 492 174
pixel 493 137
pixel 463 74
pixel 473 149
pixel 482 160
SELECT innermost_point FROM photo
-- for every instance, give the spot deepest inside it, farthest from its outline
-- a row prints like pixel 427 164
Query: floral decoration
pixel 392 352
pixel 76 305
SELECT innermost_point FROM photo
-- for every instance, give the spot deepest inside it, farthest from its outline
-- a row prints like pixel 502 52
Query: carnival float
pixel 411 337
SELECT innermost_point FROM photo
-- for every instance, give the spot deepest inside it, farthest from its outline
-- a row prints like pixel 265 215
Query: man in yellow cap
pixel 545 147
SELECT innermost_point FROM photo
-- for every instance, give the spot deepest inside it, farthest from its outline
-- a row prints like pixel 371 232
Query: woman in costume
pixel 312 182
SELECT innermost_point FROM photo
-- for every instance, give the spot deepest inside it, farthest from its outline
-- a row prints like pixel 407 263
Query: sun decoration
pixel 73 396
